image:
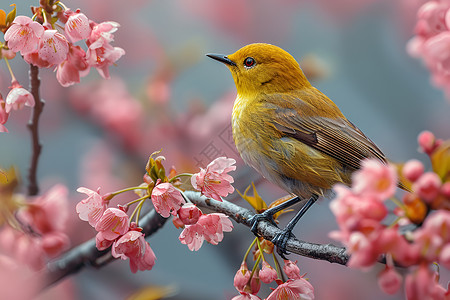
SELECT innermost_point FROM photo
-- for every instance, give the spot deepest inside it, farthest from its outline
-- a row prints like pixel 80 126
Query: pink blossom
pixel 389 280
pixel 192 236
pixel 242 277
pixel 428 142
pixel 54 47
pixel 101 243
pixel 18 97
pixel 267 274
pixel 24 35
pixel 209 227
pixel 291 269
pixel 35 59
pixel 245 296
pixel 166 199
pixel 132 245
pixel 55 243
pixel 422 284
pixel 215 225
pixel 189 214
pixel 3 115
pixel 47 213
pixel 214 182
pixel 434 235
pixel 427 186
pixel 255 283
pixel 113 223
pixel 298 289
pixel 101 55
pixel 77 27
pixel 431 17
pixel 375 178
pixel 74 67
pixel 92 208
pixel 413 169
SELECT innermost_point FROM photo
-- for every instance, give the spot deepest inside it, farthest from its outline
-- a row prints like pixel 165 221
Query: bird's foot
pixel 255 219
pixel 280 241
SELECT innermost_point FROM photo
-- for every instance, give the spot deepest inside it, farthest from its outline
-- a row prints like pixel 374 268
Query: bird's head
pixel 263 68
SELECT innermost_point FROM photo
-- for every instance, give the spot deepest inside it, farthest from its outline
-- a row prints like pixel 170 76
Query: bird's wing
pixel 338 138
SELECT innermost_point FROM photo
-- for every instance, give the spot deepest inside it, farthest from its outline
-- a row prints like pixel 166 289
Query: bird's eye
pixel 249 62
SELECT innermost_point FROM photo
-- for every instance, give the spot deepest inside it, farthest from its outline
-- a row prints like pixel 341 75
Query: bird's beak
pixel 222 58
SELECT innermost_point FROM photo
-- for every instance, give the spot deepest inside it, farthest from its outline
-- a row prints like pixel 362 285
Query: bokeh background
pixel 164 93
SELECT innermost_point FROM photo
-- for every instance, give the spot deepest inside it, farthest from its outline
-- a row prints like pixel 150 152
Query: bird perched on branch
pixel 289 131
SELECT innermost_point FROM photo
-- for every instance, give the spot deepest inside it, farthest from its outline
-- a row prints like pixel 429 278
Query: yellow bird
pixel 289 131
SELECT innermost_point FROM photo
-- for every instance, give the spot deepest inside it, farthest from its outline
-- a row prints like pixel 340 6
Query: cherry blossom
pixel 77 26
pixel 92 208
pixel 375 178
pixel 24 35
pixel 242 277
pixel 112 224
pixel 132 245
pixel 291 269
pixel 267 274
pixel 166 199
pixel 18 97
pixel 299 289
pixel 189 214
pixel 54 47
pixel 245 296
pixel 214 181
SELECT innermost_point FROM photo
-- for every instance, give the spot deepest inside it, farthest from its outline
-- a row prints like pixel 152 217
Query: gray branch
pixel 87 255
pixel 268 231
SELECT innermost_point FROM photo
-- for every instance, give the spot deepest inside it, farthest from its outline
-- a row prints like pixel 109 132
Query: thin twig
pixel 33 126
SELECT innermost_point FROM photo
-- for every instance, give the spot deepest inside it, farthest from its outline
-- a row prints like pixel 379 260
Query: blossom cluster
pixel 432 41
pixel 44 43
pixel 37 231
pixel 117 230
pixel 248 282
pixel 361 213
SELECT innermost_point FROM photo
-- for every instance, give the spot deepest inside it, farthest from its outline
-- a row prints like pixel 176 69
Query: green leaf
pixel 11 16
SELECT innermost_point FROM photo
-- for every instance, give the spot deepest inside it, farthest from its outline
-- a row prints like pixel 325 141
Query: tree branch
pixel 267 230
pixel 87 254
pixel 33 126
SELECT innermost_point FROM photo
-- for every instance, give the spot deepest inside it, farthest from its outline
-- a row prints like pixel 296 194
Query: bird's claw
pixel 255 219
pixel 280 241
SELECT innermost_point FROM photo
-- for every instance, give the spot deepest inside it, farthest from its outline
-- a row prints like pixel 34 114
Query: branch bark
pixel 87 255
pixel 33 126
pixel 267 230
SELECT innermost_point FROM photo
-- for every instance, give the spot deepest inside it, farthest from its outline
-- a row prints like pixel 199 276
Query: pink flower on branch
pixel 54 47
pixel 267 274
pixel 18 97
pixel 214 181
pixel 375 178
pixel 73 68
pixel 209 227
pixel 92 208
pixel 166 199
pixel 291 269
pixel 77 26
pixel 242 277
pixel 132 245
pixel 299 289
pixel 24 35
pixel 101 55
pixel 189 214
pixel 112 224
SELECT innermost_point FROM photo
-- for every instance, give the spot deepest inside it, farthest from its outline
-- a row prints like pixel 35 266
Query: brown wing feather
pixel 337 137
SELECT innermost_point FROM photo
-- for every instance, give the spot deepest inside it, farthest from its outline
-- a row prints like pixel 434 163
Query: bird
pixel 289 131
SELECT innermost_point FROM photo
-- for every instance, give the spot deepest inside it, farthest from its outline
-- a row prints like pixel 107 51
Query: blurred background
pixel 165 93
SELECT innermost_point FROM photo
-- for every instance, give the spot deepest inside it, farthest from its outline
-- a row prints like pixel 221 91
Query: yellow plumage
pixel 286 129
